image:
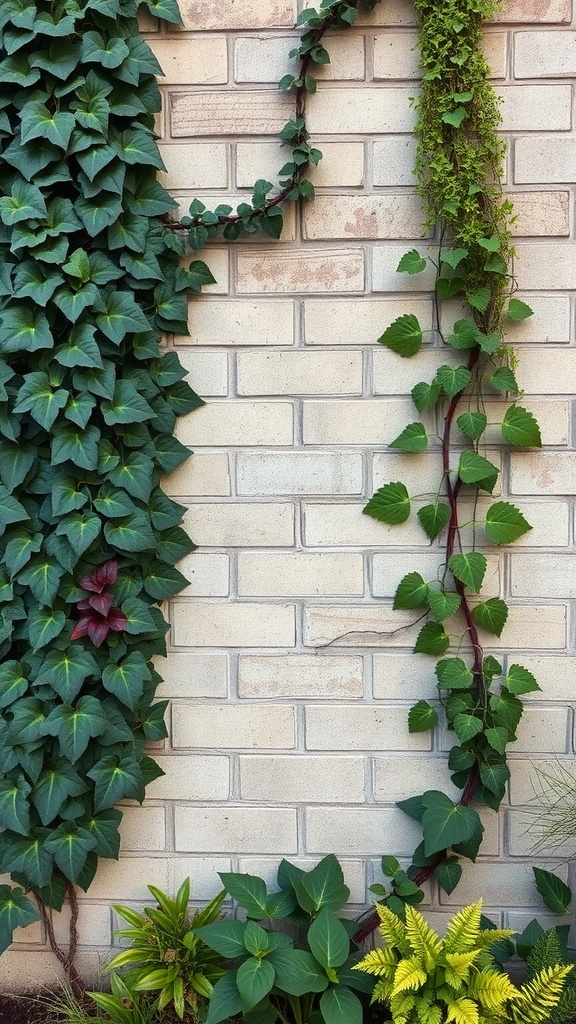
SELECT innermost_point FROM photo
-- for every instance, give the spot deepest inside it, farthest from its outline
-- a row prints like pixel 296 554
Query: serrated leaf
pixel 432 639
pixel 412 439
pixel 412 592
pixel 518 310
pixel 519 680
pixel 453 257
pixel 390 504
pixel 422 717
pixel 453 674
pixel 404 336
pixel 469 568
pixel 434 518
pixel 504 380
pixel 472 424
pixel 412 263
pixel 491 615
pixel 505 523
pixel 467 726
pixel 453 379
pixel 474 468
pixel 479 298
pixel 556 894
pixel 497 737
pixel 521 428
pixel 443 604
pixel 425 395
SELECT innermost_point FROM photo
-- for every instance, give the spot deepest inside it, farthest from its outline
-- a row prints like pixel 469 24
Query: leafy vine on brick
pixel 90 278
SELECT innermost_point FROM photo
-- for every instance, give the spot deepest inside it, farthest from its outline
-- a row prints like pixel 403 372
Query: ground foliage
pixel 90 278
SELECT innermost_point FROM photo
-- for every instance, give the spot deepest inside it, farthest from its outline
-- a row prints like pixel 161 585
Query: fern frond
pixel 435 1015
pixel 402 1006
pixel 422 938
pixel 462 1011
pixel 378 962
pixel 393 930
pixel 488 936
pixel 381 991
pixel 539 997
pixel 546 952
pixel 409 975
pixel 464 929
pixel 492 989
pixel 462 962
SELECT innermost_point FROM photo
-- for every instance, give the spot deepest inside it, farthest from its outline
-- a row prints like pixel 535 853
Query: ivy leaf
pixel 70 845
pixel 56 783
pixel 134 475
pixel 412 439
pixel 139 617
pixel 504 380
pixel 109 54
pixel 11 510
pixel 404 336
pixel 491 615
pixel 434 518
pixel 453 674
pixel 24 329
pixel 126 680
pixel 425 395
pixel 174 545
pixel 467 727
pixel 453 379
pixel 13 682
pixel 80 348
pixel 472 424
pixel 453 257
pixel 505 523
pixel 44 625
pixel 445 823
pixel 71 443
pixel 521 428
pixel 469 568
pixel 126 406
pixel 43 577
pixel 39 123
pixel 16 911
pixel 390 504
pixel 448 873
pixel 432 639
pixel 14 806
pixel 122 316
pixel 519 681
pixel 163 582
pixel 474 468
pixel 412 592
pixel 412 263
pixel 37 397
pixel 66 671
pixel 116 779
pixel 132 533
pixel 443 604
pixel 518 310
pixel 556 894
pixel 25 202
pixel 104 827
pixel 81 529
pixel 75 725
pixel 422 717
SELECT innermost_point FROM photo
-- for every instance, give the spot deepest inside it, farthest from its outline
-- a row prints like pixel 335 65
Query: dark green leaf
pixel 505 523
pixel 14 806
pixel 404 336
pixel 467 726
pixel 422 717
pixel 328 940
pixel 341 1006
pixel 453 379
pixel 126 680
pixel 434 518
pixel 491 615
pixel 469 568
pixel 13 682
pixel 556 894
pixel 521 428
pixel 412 439
pixel 432 639
pixel 65 671
pixel 116 779
pixel 412 592
pixel 75 725
pixel 390 504
pixel 446 823
pixel 448 873
pixel 255 978
pixel 474 468
pixel 443 604
pixel 425 395
pixel 16 911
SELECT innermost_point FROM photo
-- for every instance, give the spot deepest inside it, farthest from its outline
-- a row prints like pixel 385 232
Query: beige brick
pixel 191 777
pixel 143 828
pixel 244 322
pixel 201 60
pixel 208 371
pixel 543 473
pixel 359 626
pixel 550 322
pixel 363 421
pixel 237 830
pixel 377 727
pixel 396 376
pixel 237 14
pixel 554 674
pixel 298 574
pixel 301 779
pixel 525 829
pixel 300 372
pixel 208 575
pixel 194 165
pixel 342 164
pixel 494 49
pixel 194 114
pixel 389 216
pixel 549 522
pixel 541 213
pixel 193 675
pixel 202 872
pixel 532 777
pixel 389 569
pixel 548 265
pixel 337 525
pixel 542 731
pixel 396 12
pixel 536 108
pixel 238 423
pixel 539 11
pixel 553 375
pixel 22 974
pixel 545 159
pixel 396 55
pixel 357 321
pixel 535 576
pixel 553 419
pixel 233 726
pixel 499 884
pixel 243 525
pixel 218 261
pixel 264 58
pixel 394 159
pixel 404 677
pixel 544 54
pixel 419 473
pixel 94 923
pixel 233 625
pixel 540 626
pixel 300 473
pixel 397 778
pixel 294 270
pixel 354 873
pixel 387 279
pixel 361 830
pixel 128 878
pixel 361 111
pixel 205 474
pixel 301 675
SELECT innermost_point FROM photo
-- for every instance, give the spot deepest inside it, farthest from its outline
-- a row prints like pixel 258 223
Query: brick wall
pixel 288 738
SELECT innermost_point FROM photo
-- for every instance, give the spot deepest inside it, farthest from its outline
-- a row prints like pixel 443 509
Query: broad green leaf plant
pixel 91 277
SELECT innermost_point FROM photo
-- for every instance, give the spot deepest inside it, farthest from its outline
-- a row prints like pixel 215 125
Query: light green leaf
pixel 328 939
pixel 412 439
pixel 455 117
pixel 498 737
pixel 469 568
pixel 479 298
pixel 453 674
pixel 443 604
pixel 412 263
pixel 404 336
pixel 472 424
pixel 465 334
pixel 390 504
pixel 453 257
pixel 505 523
pixel 519 681
pixel 521 428
pixel 491 615
pixel 453 379
pixel 518 310
pixel 422 717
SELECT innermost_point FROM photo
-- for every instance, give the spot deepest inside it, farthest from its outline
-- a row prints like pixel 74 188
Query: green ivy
pixel 91 277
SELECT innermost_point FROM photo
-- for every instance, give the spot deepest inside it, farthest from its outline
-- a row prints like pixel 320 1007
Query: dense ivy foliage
pixel 90 278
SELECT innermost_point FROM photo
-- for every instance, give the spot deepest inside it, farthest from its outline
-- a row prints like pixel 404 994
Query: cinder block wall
pixel 289 688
